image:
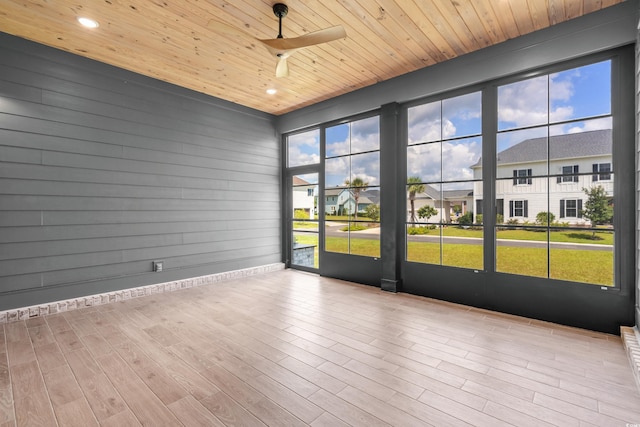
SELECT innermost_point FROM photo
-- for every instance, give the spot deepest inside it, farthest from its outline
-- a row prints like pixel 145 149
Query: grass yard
pixel 576 265
pixel 564 264
pixel 365 247
pixel 306 225
pixel 454 255
pixel 567 236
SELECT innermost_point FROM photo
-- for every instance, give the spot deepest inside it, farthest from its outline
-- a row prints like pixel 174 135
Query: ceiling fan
pixel 284 48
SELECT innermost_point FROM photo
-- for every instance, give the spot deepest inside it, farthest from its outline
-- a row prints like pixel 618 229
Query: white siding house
pixel 442 201
pixel 304 196
pixel 340 201
pixel 575 161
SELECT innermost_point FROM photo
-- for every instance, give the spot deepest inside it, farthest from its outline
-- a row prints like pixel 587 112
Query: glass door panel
pixel 304 221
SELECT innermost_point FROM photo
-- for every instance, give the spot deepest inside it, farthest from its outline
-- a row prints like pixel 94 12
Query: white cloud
pixel 424 161
pixel 425 123
pixel 339 148
pixel 525 103
pixel 562 90
pixel 297 157
pixel 303 148
pixel 365 142
pixel 457 159
pixel 448 129
pixel 586 126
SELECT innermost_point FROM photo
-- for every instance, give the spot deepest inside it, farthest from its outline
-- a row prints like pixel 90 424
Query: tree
pixel 373 211
pixel 300 214
pixel 545 218
pixel 357 185
pixel 597 208
pixel 415 185
pixel 427 212
pixel 457 209
pixel 466 219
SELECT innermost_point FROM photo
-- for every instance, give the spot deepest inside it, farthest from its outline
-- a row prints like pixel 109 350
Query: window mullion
pixel 489 137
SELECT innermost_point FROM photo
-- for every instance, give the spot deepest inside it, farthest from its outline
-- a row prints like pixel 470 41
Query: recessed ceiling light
pixel 271 91
pixel 87 22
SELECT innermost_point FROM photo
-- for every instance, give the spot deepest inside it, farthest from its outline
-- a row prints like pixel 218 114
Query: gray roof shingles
pixel 583 144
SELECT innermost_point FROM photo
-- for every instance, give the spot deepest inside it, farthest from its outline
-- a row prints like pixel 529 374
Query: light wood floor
pixel 290 348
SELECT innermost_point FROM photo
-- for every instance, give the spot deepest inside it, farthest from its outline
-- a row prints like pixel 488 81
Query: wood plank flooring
pixel 291 348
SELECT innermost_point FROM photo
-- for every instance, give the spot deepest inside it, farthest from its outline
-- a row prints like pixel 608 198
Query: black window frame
pixel 600 173
pixel 564 208
pixel 571 176
pixel 513 209
pixel 522 177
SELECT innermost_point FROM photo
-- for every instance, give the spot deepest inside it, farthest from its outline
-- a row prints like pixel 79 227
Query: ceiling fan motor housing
pixel 280 10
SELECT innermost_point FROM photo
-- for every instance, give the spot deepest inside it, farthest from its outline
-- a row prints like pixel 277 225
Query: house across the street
pixel 575 161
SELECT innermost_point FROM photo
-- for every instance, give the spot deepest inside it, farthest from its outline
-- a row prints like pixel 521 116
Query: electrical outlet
pixel 157 266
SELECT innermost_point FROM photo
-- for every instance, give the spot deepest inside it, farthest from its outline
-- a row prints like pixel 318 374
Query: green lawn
pixel 298 225
pixel 568 236
pixel 565 264
pixel 365 247
pixel 575 265
pixel 466 256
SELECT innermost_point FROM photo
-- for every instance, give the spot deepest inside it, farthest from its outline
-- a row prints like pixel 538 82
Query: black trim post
pixel 391 200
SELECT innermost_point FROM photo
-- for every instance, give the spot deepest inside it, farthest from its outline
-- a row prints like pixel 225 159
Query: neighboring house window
pixel 310 192
pixel 601 172
pixel 519 208
pixel 571 208
pixel 569 174
pixel 479 207
pixel 522 177
pixel 499 206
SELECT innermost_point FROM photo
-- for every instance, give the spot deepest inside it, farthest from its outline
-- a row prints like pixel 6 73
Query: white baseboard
pixel 25 313
pixel 631 340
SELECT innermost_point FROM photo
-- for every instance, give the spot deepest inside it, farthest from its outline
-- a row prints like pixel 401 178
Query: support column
pixel 392 197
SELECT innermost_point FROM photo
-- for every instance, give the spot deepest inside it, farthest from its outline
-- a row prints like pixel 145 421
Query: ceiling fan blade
pixel 282 69
pixel 316 37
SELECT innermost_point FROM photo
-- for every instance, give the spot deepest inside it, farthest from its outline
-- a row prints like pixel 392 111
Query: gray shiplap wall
pixel 103 171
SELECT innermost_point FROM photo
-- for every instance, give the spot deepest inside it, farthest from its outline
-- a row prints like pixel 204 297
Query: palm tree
pixel 357 185
pixel 415 185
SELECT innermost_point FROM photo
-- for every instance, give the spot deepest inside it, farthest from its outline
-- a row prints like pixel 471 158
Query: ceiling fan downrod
pixel 280 10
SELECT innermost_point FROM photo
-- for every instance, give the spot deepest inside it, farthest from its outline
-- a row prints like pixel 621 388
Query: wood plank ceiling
pixel 210 46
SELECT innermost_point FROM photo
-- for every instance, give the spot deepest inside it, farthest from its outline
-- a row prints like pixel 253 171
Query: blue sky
pixel 578 93
pixel 359 139
pixel 304 148
pixel 453 127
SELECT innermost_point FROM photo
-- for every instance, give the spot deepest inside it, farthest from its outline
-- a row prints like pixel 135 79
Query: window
pixel 519 208
pixel 520 177
pixel 499 210
pixel 601 172
pixel 303 148
pixel 352 187
pixel 444 176
pixel 571 208
pixel 569 174
pixel 556 135
pixel 304 222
